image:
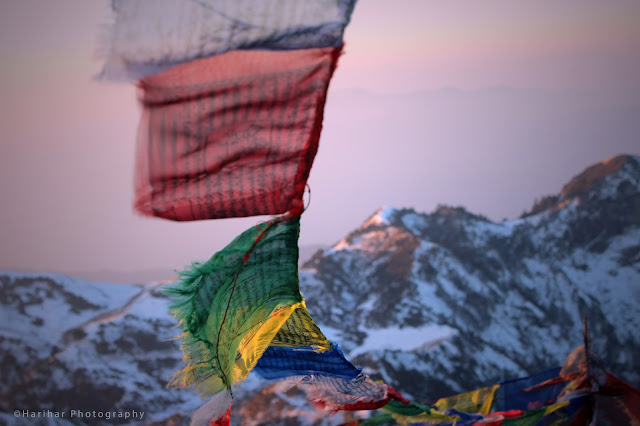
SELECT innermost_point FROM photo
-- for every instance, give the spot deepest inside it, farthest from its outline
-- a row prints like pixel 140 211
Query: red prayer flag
pixel 232 135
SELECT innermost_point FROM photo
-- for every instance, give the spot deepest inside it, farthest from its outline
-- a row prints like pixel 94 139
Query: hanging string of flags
pixel 579 393
pixel 232 96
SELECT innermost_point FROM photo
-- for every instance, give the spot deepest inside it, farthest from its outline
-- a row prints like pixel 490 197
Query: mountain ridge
pixel 585 182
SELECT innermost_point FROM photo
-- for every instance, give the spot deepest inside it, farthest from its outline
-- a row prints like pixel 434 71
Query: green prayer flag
pixel 232 306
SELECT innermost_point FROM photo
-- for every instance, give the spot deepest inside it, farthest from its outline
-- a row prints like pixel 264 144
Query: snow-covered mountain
pixel 68 344
pixel 450 301
pixel 434 304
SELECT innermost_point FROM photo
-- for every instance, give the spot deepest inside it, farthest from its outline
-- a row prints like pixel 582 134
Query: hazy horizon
pixel 488 107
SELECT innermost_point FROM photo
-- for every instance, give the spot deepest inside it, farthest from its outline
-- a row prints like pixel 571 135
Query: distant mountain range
pixel 435 304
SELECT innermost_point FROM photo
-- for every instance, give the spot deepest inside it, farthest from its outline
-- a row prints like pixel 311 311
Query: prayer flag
pixel 232 306
pixel 232 135
pixel 145 37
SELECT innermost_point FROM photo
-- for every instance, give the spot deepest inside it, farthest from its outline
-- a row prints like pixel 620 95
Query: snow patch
pixel 381 217
pixel 402 338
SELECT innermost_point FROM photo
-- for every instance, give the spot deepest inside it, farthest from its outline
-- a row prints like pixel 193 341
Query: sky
pixel 486 106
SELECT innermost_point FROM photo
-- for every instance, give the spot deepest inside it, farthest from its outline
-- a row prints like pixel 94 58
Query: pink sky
pixel 573 69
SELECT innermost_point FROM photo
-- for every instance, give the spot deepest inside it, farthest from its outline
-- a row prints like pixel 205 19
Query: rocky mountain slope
pixel 434 304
